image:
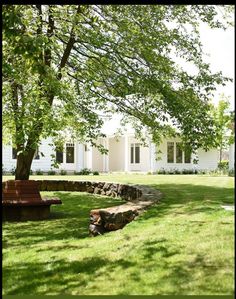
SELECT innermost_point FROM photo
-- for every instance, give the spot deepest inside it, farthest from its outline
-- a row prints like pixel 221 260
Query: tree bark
pixel 23 165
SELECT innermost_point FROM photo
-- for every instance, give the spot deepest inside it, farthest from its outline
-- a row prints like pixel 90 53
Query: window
pixel 176 150
pixel 59 155
pixel 170 152
pixel 70 149
pixel 179 153
pixel 14 153
pixel 135 153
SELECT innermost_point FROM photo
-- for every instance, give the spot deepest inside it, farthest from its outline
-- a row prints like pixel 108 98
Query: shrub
pixel 161 171
pixel 13 171
pixel 51 172
pixel 231 172
pixel 63 172
pixel 31 172
pixel 177 171
pixel 223 165
pixel 85 171
pixel 95 173
pixel 38 172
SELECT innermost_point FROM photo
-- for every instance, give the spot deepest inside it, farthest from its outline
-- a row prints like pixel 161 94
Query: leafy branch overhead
pixel 66 66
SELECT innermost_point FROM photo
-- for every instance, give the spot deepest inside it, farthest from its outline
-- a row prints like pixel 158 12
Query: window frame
pixel 72 146
pixel 135 157
pixel 183 154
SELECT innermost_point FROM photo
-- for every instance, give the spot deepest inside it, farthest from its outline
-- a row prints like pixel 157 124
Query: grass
pixel 183 246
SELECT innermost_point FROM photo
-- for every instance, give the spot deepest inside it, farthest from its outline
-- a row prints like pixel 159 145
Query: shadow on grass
pixel 69 220
pixel 62 276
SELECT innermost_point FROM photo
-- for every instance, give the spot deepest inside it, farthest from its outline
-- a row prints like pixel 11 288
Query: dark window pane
pixel 59 156
pixel 179 153
pixel 14 153
pixel 132 154
pixel 170 152
pixel 70 153
pixel 137 154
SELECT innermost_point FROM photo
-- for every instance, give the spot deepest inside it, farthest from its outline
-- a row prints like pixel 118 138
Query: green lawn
pixel 185 245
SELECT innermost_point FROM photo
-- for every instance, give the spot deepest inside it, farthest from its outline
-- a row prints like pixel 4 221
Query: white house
pixel 126 154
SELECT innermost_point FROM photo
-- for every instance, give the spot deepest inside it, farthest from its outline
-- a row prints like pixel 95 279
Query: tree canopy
pixel 65 65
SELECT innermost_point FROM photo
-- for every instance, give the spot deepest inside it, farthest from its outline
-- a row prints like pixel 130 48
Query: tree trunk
pixel 220 154
pixel 23 165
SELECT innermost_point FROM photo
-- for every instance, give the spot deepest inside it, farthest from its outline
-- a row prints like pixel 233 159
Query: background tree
pixel 223 118
pixel 64 65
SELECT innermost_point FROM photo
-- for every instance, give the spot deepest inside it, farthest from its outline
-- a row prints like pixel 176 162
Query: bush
pixel 13 171
pixel 63 172
pixel 51 172
pixel 95 173
pixel 223 165
pixel 38 172
pixel 31 172
pixel 161 171
pixel 85 171
pixel 231 172
pixel 177 171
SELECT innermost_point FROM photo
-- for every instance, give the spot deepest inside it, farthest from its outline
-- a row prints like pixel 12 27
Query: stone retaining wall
pixel 138 198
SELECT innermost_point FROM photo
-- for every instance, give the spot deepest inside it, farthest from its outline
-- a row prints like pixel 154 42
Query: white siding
pixel 116 154
pixel 43 163
pixel 231 156
pixel 208 160
pixel 97 160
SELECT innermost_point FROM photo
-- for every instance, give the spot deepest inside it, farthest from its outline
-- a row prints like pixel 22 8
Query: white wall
pixel 97 158
pixel 208 160
pixel 231 156
pixel 43 163
pixel 116 154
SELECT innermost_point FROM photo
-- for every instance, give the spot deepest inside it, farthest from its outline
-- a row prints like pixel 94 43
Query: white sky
pixel 220 46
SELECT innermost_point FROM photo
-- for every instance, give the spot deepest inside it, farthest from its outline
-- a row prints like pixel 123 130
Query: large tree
pixel 64 65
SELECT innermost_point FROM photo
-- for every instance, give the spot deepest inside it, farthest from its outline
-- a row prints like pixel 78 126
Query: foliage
pixel 95 173
pixel 13 171
pixel 223 165
pixel 66 66
pixel 38 172
pixel 51 172
pixel 63 172
pixel 223 118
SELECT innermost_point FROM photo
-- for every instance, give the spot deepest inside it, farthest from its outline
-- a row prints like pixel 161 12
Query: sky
pixel 219 45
